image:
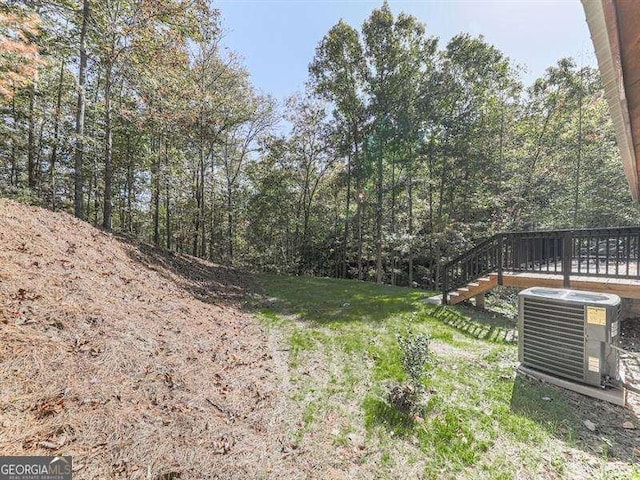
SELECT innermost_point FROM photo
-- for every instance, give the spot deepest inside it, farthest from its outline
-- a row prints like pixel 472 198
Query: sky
pixel 277 38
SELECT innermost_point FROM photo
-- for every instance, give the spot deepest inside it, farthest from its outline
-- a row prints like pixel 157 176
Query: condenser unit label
pixel 597 315
pixel 594 364
pixel 614 329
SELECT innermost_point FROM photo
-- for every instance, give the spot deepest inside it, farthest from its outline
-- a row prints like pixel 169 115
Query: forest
pixel 402 151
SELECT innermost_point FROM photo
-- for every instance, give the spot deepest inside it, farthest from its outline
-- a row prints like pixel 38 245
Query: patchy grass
pixel 478 419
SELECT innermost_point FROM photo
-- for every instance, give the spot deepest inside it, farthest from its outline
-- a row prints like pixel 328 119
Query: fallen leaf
pixel 49 445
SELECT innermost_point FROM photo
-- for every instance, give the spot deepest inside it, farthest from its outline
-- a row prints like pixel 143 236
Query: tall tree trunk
pixel 394 258
pixel 156 199
pixel 108 149
pixel 578 158
pixel 31 140
pixel 410 220
pixel 56 130
pixel 203 230
pixel 211 226
pixel 431 177
pixel 430 189
pixel 96 194
pixel 13 178
pixel 39 156
pixel 130 192
pixel 338 259
pixel 360 211
pixel 229 223
pixel 501 145
pixel 79 150
pixel 466 186
pixel 196 220
pixel 443 180
pixel 199 240
pixel 304 257
pixel 345 234
pixel 379 218
pixel 87 208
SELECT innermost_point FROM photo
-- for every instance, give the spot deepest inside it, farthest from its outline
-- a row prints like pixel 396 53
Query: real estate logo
pixel 35 468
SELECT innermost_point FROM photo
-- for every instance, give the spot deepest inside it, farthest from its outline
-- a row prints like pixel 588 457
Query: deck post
pixel 500 267
pixel 480 301
pixel 566 258
pixel 444 287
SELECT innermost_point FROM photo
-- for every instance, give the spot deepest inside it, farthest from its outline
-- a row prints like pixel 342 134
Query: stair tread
pixel 463 289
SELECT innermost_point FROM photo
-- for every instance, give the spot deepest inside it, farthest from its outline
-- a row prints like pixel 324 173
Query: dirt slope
pixel 140 364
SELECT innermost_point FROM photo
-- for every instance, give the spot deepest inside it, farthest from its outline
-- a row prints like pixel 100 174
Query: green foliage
pixel 415 355
pixel 401 154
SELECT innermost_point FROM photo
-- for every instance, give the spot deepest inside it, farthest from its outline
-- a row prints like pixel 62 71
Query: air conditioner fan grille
pixel 554 338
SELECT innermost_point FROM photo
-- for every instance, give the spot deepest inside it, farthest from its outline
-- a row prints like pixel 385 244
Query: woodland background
pixel 401 153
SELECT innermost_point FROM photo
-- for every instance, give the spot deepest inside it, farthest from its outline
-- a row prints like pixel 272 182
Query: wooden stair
pixel 481 285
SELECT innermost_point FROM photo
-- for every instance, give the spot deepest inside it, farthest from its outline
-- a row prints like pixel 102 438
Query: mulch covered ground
pixel 138 363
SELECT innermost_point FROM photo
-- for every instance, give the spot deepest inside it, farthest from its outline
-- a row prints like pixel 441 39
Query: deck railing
pixel 602 252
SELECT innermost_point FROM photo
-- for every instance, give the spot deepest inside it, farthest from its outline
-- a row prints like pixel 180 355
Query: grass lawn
pixel 478 418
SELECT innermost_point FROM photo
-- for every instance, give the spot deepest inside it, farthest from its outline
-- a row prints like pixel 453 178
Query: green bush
pixel 415 356
pixel 406 397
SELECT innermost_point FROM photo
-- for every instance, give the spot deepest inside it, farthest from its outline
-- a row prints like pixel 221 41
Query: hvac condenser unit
pixel 569 337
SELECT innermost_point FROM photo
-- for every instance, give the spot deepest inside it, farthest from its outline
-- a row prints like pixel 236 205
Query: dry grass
pixel 138 363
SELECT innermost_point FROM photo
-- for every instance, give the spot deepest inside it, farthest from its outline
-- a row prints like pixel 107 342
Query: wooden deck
pixel 600 259
pixel 593 267
pixel 623 287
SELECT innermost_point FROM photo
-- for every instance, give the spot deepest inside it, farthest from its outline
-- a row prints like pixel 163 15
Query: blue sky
pixel 277 38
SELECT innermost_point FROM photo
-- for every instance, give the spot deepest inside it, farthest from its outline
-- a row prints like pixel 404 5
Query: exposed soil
pixel 137 362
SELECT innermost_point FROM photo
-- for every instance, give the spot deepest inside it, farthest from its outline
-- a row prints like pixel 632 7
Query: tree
pixel 239 142
pixel 401 154
pixel 19 52
pixel 308 159
pixel 78 209
pixel 337 75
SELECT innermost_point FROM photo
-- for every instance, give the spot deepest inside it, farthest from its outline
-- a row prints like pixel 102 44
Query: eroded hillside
pixel 139 363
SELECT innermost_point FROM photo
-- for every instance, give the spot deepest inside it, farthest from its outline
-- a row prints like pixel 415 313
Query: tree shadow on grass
pixel 205 281
pixel 563 414
pixel 330 300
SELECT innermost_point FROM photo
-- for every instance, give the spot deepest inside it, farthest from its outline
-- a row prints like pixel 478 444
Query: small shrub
pixel 415 356
pixel 406 397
